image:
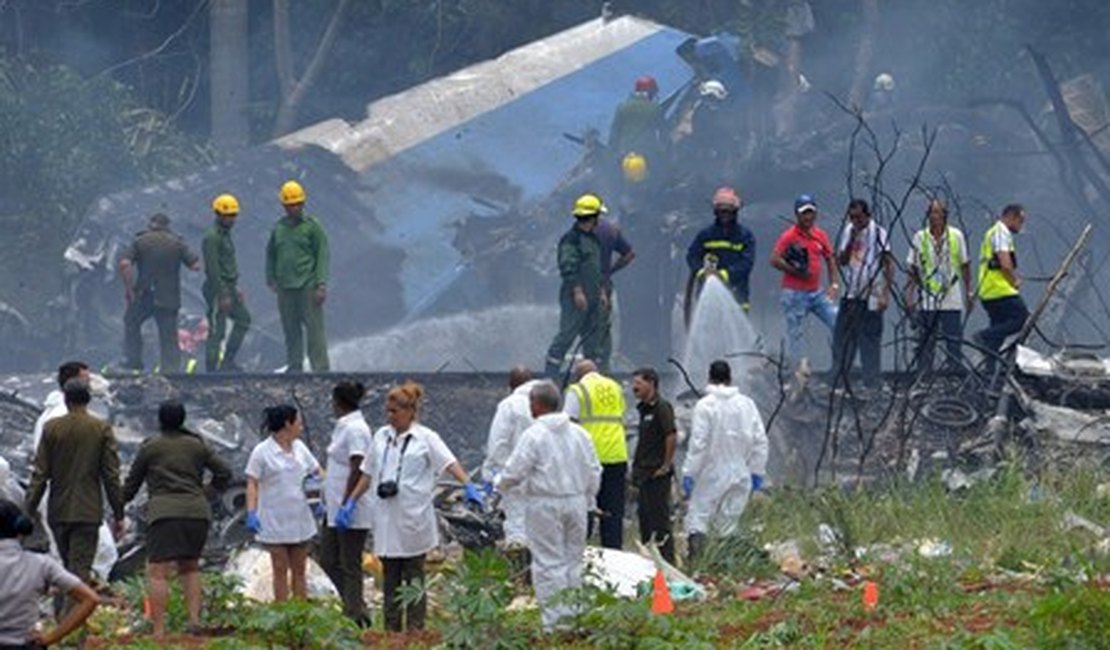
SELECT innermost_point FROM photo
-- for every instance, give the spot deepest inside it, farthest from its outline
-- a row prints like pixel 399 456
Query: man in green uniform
pixel 297 270
pixel 638 124
pixel 158 253
pixel 221 288
pixel 78 460
pixel 582 303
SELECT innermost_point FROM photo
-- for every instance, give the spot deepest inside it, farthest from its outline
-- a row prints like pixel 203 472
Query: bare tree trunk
pixel 228 70
pixel 294 89
pixel 864 54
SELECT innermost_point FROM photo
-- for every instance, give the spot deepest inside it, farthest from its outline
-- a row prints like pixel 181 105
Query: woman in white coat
pixel 404 462
pixel 726 459
pixel 278 512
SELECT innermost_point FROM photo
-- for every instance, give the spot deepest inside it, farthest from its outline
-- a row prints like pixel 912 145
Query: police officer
pixel 221 288
pixel 581 300
pixel 158 253
pixel 297 271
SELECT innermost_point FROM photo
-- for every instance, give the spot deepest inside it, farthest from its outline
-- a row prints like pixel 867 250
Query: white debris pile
pixel 252 567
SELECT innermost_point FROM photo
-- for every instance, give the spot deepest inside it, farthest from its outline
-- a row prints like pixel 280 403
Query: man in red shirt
pixel 798 254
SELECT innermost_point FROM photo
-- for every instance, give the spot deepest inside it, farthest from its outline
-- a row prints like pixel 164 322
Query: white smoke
pixel 491 340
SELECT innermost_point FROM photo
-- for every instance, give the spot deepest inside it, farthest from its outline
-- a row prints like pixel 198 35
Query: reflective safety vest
pixel 601 414
pixel 993 285
pixel 935 284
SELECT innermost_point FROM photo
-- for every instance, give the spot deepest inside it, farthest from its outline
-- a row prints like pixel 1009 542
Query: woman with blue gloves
pixel 278 510
pixel 403 465
pixel 340 552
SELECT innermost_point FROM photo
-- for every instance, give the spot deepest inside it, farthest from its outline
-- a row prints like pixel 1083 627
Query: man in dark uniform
pixel 79 461
pixel 726 248
pixel 158 253
pixel 581 300
pixel 221 288
pixel 653 464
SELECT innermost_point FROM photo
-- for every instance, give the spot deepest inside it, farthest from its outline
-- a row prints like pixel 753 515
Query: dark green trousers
pixel 302 318
pixel 340 557
pixel 591 325
pixel 217 322
pixel 77 548
pixel 138 312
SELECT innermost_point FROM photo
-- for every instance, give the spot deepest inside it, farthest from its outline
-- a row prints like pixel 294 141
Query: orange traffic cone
pixel 661 595
pixel 870 595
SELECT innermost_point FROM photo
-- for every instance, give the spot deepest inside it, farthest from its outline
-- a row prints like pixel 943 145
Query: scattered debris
pixel 933 548
pixel 252 566
pixel 1072 521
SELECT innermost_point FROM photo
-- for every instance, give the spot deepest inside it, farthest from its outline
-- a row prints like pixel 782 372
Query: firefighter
pixel 158 253
pixel 297 271
pixel 726 247
pixel 581 300
pixel 221 288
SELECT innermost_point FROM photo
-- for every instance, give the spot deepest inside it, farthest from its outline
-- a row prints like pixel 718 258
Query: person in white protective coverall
pixel 55 407
pixel 513 416
pixel 726 459
pixel 556 466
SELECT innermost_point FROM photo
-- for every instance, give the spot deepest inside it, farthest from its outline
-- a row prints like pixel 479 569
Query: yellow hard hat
pixel 226 205
pixel 635 167
pixel 588 205
pixel 292 193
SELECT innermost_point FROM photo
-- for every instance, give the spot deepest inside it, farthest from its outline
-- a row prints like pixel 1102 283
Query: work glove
pixel 319 510
pixel 687 486
pixel 344 514
pixel 487 489
pixel 474 495
pixel 757 482
pixel 254 524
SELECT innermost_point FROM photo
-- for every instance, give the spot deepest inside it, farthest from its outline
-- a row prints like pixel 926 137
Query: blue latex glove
pixel 474 495
pixel 687 485
pixel 757 482
pixel 487 489
pixel 319 510
pixel 254 524
pixel 344 514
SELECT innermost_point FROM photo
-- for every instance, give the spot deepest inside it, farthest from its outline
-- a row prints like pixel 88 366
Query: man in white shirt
pixel 556 466
pixel 868 269
pixel 55 407
pixel 939 286
pixel 513 416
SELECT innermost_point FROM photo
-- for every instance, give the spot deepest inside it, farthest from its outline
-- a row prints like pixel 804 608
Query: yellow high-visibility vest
pixel 601 414
pixel 992 283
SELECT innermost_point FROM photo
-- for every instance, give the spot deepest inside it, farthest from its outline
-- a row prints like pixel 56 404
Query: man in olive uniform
pixel 297 270
pixel 581 300
pixel 221 288
pixel 79 461
pixel 158 253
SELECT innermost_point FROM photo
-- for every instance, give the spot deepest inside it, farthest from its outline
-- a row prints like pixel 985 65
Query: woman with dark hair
pixel 172 464
pixel 404 462
pixel 340 552
pixel 278 511
pixel 25 577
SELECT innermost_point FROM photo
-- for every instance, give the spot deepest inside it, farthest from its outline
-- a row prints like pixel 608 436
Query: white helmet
pixel 884 82
pixel 714 89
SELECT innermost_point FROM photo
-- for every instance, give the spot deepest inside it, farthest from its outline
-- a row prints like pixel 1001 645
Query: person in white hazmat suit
pixel 513 416
pixel 726 459
pixel 55 407
pixel 557 467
